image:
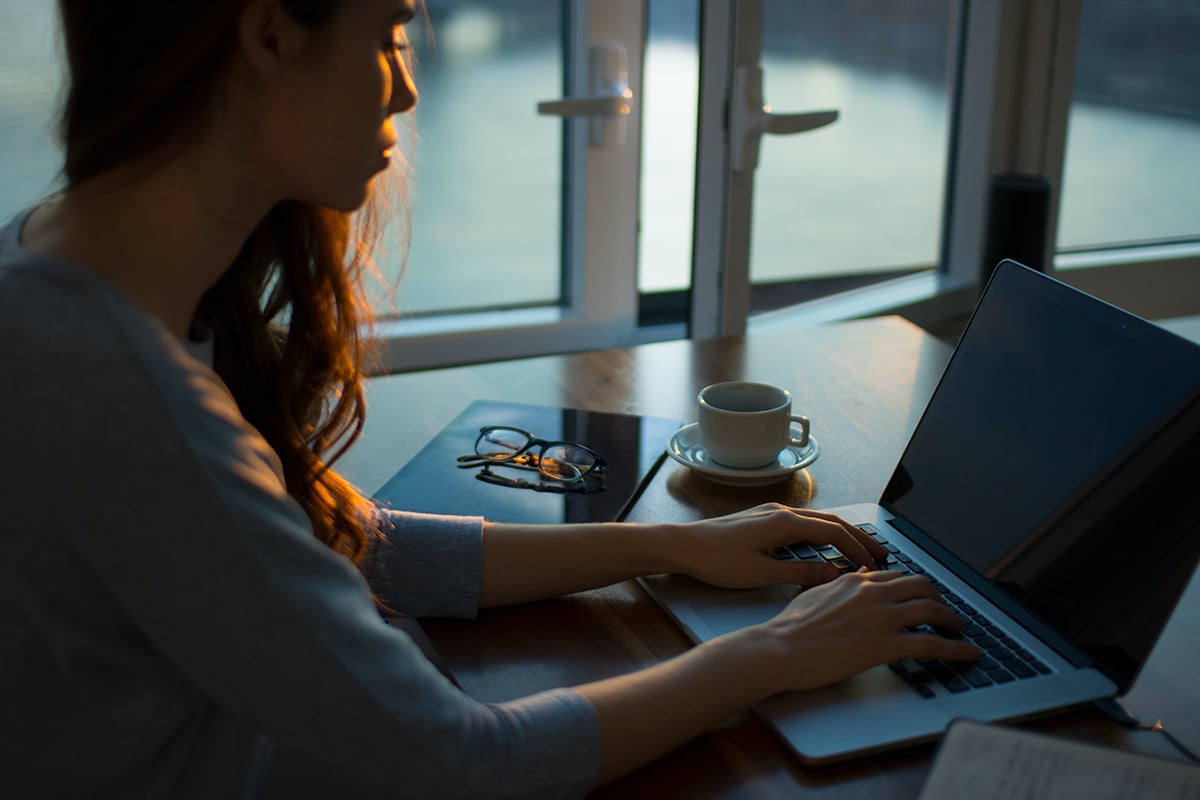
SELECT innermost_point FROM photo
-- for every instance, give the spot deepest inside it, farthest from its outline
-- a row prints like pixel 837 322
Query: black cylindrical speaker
pixel 1018 214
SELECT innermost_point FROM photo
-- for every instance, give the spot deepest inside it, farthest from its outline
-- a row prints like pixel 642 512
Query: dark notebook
pixel 633 447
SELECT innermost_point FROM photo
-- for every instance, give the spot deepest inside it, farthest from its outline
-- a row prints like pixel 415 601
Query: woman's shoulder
pixel 55 313
pixel 73 345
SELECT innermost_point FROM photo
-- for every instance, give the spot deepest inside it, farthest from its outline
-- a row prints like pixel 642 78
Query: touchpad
pixel 732 611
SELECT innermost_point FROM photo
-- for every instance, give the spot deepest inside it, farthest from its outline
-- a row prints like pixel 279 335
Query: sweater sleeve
pixel 427 565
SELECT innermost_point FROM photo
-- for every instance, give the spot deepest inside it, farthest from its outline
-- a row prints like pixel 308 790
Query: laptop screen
pixel 1058 459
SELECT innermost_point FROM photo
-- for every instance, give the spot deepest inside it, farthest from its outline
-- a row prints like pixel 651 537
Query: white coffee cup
pixel 745 425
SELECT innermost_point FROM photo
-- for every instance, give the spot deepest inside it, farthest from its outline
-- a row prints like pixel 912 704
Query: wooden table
pixel 864 384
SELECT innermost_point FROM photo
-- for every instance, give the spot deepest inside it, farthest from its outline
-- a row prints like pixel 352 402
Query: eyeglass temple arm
pixel 572 487
pixel 467 462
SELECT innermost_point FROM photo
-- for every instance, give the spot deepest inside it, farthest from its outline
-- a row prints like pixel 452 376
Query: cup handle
pixel 804 426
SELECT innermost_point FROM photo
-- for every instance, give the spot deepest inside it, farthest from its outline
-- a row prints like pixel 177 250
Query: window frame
pixel 598 307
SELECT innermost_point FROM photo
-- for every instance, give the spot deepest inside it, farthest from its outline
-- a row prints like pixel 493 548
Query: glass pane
pixel 486 201
pixel 670 86
pixel 1132 166
pixel 862 197
pixel 30 83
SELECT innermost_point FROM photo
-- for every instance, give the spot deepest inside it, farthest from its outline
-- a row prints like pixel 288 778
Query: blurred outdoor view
pixel 861 196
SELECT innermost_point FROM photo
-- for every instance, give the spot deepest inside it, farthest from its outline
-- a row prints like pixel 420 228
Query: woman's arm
pixel 530 562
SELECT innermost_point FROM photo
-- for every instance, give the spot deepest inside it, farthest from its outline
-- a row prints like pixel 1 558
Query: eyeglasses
pixel 566 463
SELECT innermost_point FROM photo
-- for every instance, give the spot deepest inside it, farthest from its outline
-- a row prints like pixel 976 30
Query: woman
pixel 179 333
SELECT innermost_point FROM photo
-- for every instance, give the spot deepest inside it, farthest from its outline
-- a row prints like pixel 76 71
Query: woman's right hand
pixel 836 630
pixel 827 633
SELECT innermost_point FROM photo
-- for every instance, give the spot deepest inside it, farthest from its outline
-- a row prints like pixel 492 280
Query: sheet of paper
pixel 992 762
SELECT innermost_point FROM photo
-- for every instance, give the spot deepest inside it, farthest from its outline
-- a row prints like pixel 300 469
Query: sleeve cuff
pixel 428 565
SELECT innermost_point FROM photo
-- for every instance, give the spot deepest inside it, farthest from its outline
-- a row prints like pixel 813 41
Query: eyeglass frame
pixel 521 458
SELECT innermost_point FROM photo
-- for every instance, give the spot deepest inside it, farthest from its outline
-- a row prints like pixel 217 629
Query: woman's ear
pixel 269 38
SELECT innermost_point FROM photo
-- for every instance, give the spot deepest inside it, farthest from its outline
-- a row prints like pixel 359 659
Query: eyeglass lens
pixel 565 462
pixel 500 444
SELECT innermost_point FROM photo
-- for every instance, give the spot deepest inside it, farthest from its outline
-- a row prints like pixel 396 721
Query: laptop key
pixel 912 672
pixel 987 663
pixel 842 563
pixel 985 641
pixel 989 666
pixel 1021 669
pixel 974 676
pixel 947 677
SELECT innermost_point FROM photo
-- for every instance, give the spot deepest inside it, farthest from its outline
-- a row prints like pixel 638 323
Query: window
pixel 1097 96
pixel 1132 168
pixel 529 239
pixel 30 83
pixel 864 196
pixel 888 67
pixel 525 230
pixel 487 211
pixel 670 97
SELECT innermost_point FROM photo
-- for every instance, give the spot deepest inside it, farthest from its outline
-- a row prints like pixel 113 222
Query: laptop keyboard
pixel 1003 660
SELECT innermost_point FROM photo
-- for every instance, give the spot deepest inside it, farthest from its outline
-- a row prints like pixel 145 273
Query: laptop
pixel 1047 491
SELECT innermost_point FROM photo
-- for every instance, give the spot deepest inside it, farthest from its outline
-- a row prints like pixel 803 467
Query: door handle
pixel 750 118
pixel 609 102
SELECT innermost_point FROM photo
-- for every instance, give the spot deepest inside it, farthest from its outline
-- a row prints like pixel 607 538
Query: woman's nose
pixel 404 91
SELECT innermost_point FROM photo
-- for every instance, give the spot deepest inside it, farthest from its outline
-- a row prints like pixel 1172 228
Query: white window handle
pixel 610 100
pixel 751 118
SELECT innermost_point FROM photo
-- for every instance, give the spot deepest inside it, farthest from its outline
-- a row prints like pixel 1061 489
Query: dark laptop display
pixel 1073 479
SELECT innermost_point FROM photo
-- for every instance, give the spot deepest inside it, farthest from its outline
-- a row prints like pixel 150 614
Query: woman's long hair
pixel 289 314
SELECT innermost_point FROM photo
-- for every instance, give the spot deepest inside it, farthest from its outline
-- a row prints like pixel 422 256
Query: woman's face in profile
pixel 333 127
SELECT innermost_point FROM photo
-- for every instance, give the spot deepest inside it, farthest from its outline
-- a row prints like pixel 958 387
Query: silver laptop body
pixel 1046 490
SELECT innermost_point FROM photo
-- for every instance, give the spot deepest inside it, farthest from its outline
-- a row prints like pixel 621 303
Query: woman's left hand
pixel 736 551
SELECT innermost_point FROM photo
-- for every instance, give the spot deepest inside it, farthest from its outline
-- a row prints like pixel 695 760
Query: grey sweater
pixel 169 619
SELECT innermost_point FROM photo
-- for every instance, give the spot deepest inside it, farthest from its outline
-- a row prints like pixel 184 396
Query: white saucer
pixel 684 447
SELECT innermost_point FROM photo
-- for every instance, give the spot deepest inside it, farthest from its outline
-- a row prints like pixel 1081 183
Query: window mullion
pixel 1041 42
pixel 608 290
pixel 712 159
pixel 1014 96
pixel 730 35
pixel 978 129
